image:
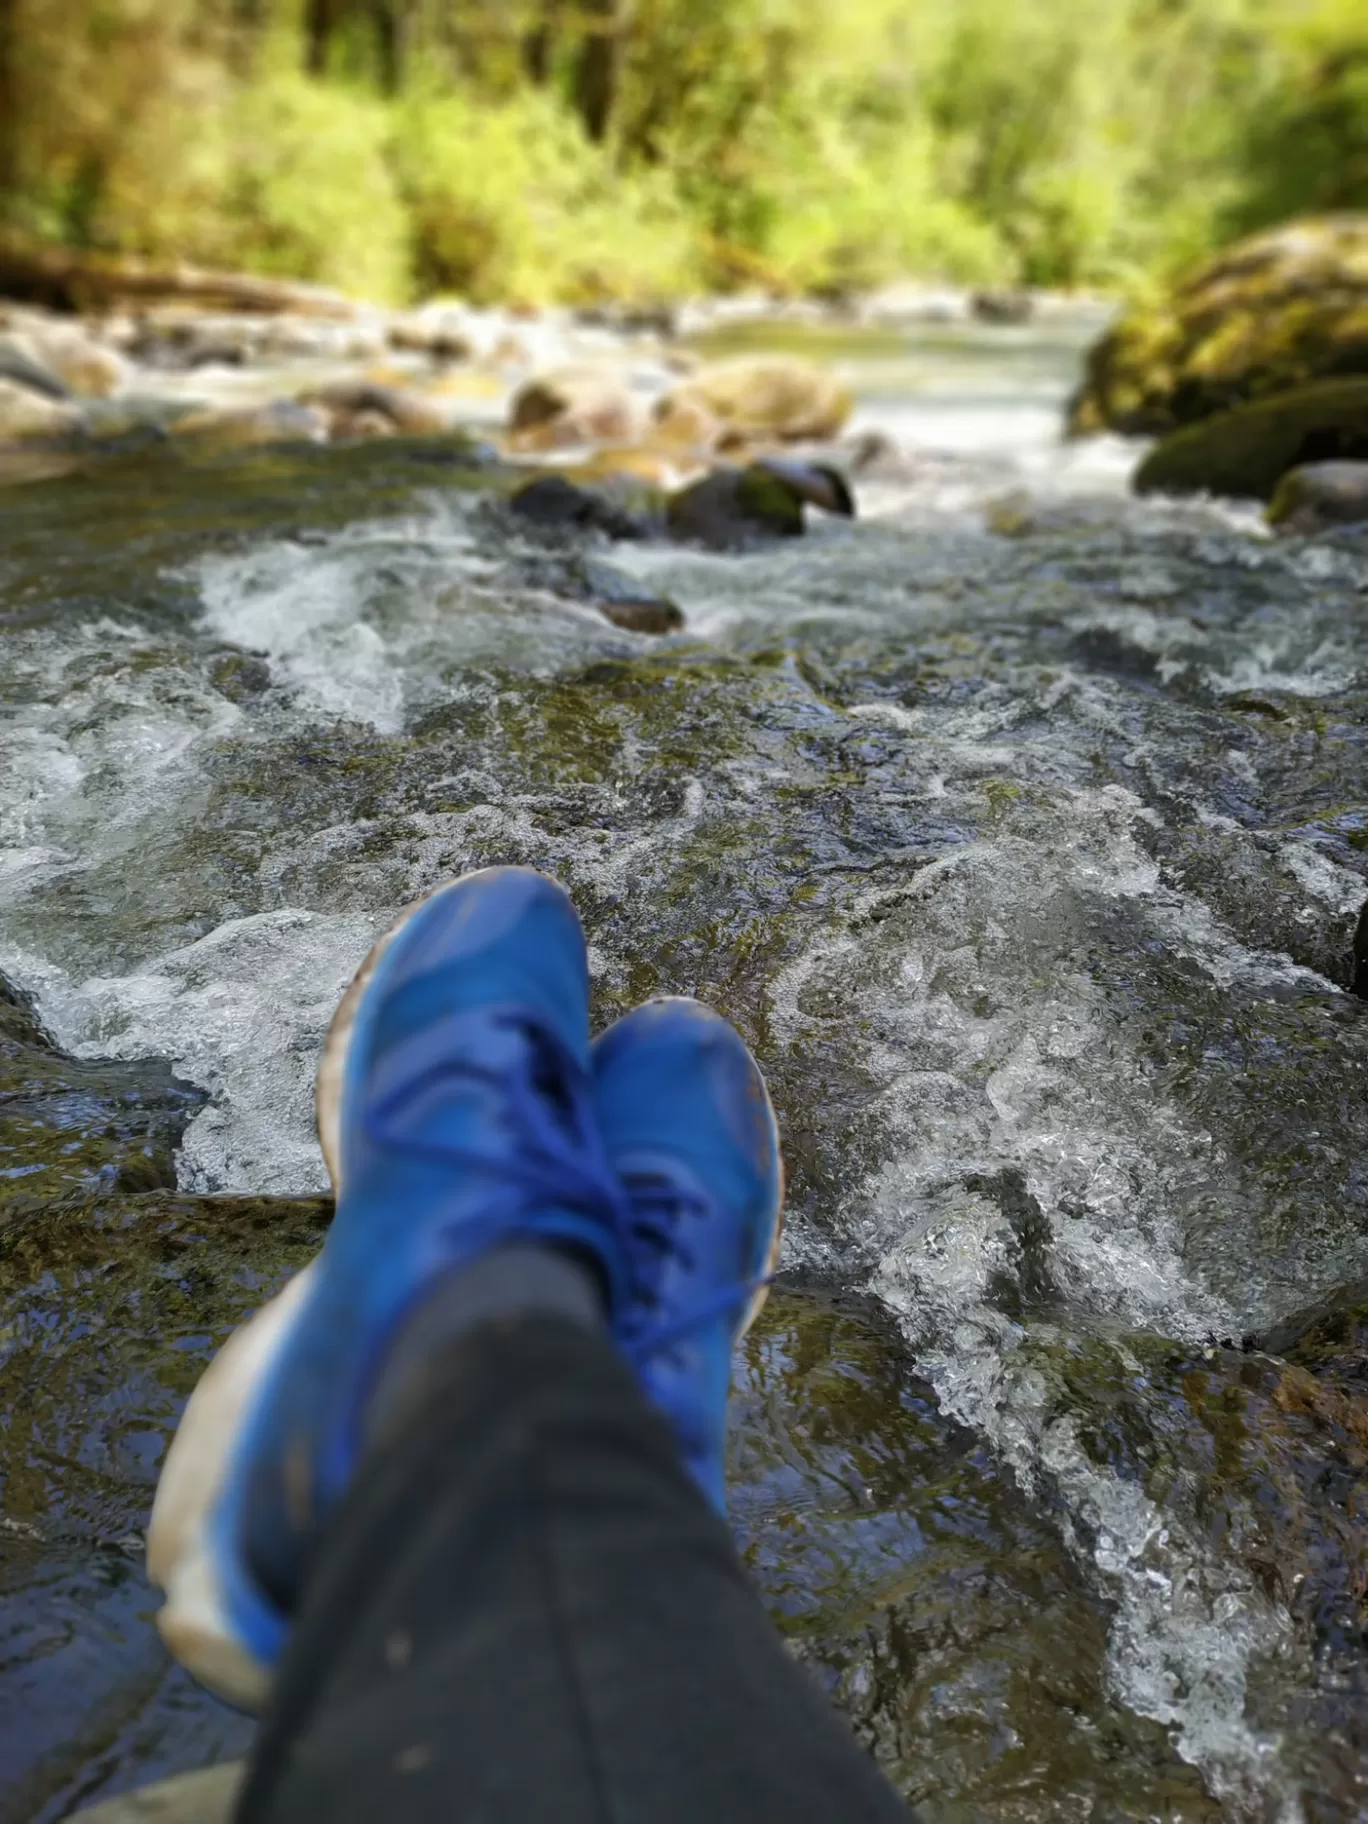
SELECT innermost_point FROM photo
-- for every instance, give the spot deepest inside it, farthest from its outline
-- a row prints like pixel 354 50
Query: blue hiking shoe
pixel 687 1124
pixel 455 1111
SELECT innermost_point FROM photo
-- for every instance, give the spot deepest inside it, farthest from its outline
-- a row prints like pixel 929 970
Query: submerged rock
pixel 628 603
pixel 766 396
pixel 69 1127
pixel 243 427
pixel 1319 495
pixel 113 1307
pixel 733 507
pixel 556 504
pixel 571 405
pixel 1247 450
pixel 1273 312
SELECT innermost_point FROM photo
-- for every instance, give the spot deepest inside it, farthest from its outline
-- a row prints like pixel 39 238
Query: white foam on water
pixel 997 1054
pixel 242 1013
pixel 969 995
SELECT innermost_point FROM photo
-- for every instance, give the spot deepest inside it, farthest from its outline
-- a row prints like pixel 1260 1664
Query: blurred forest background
pixel 531 150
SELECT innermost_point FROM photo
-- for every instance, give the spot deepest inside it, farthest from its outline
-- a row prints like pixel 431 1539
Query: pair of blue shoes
pixel 461 1108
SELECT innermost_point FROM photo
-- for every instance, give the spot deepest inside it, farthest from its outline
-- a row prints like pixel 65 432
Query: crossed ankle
pixel 521 1279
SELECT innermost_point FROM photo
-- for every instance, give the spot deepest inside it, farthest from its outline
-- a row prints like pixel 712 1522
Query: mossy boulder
pixel 730 508
pixel 1270 313
pixel 1248 450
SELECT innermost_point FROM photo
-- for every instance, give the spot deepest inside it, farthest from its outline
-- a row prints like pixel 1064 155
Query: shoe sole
pixel 194 1620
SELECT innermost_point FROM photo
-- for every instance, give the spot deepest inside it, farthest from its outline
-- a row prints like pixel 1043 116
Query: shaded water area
pixel 1022 827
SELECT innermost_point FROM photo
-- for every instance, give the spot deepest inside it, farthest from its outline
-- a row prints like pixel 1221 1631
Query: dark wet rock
pixel 763 397
pixel 112 1309
pixel 569 406
pixel 1002 305
pixel 628 603
pixel 1360 958
pixel 731 508
pixel 556 504
pixel 240 676
pixel 1320 495
pixel 934 1602
pixel 619 598
pixel 1271 1460
pixel 1274 312
pixel 69 1127
pixel 1329 1337
pixel 1246 451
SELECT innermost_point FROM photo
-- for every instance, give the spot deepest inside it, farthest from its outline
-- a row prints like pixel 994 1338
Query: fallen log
pixel 63 279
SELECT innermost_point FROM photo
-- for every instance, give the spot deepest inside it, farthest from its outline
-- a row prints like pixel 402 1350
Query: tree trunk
pixel 539 44
pixel 65 280
pixel 388 23
pixel 596 71
pixel 320 19
pixel 9 105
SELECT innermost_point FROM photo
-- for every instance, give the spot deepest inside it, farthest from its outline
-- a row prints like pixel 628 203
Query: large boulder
pixel 767 397
pixel 1247 450
pixel 364 409
pixel 732 508
pixel 571 405
pixel 1271 313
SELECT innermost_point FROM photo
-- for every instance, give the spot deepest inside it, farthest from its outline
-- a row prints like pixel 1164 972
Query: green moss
pixel 1246 451
pixel 1272 313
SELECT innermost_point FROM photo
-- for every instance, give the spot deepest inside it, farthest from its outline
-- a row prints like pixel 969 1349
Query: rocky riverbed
pixel 1022 826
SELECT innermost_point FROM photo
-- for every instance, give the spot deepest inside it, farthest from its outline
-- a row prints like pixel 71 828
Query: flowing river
pixel 1020 825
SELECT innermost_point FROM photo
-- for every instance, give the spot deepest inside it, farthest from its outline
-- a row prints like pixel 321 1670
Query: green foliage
pixel 595 148
pixel 282 176
pixel 510 200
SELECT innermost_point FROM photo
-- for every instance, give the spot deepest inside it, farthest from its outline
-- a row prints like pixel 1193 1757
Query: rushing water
pixel 1021 826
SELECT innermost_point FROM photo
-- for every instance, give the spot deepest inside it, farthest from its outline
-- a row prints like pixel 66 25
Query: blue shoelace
pixel 557 1159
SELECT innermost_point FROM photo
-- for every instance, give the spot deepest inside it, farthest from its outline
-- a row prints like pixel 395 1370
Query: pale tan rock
pixel 765 396
pixel 206 1797
pixel 379 410
pixel 87 367
pixel 567 406
pixel 242 427
pixel 25 414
